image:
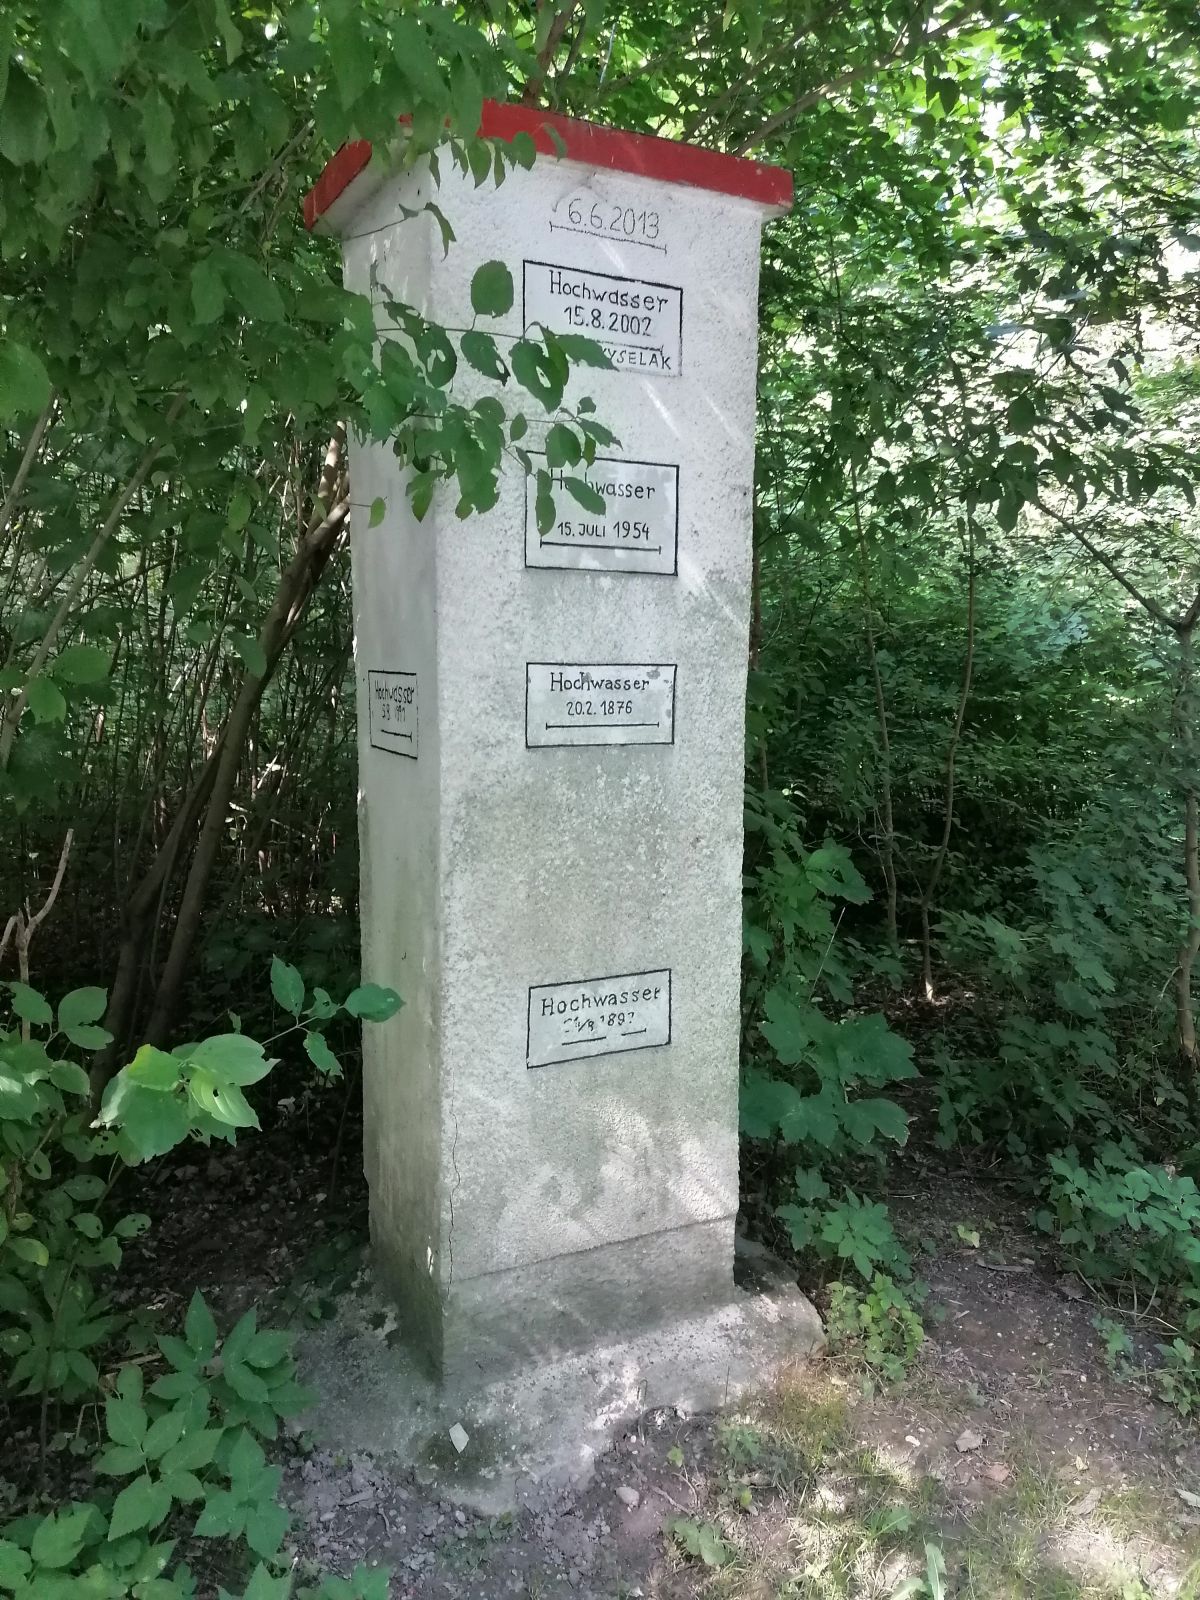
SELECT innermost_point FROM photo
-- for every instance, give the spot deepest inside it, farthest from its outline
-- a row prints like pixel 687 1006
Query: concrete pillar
pixel 551 738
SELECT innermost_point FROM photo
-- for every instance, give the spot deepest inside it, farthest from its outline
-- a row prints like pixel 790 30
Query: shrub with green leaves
pixel 1134 1229
pixel 848 1230
pixel 879 1326
pixel 809 1079
pixel 1131 1226
pixel 182 1429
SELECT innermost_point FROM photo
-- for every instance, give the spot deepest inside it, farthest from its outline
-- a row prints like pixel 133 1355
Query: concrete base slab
pixel 541 1430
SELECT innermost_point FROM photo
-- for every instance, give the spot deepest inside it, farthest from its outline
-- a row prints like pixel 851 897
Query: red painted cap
pixel 594 146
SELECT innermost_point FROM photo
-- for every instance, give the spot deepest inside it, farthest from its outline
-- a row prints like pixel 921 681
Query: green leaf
pixel 24 130
pixel 492 290
pixel 89 1037
pixel 232 1057
pixel 543 506
pixel 1022 414
pixel 590 499
pixel 72 1079
pixel 251 652
pixel 286 983
pixel 265 1527
pixel 350 57
pixel 165 1431
pixel 714 1552
pixel 523 150
pixel 562 447
pixel 323 1005
pixel 862 1119
pixel 466 96
pixel 935 1571
pixel 24 381
pixel 141 1504
pixel 378 511
pixel 252 288
pixel 263 1586
pixel 584 352
pixel 246 1459
pixel 81 663
pixel 30 1006
pixel 184 1486
pixel 199 1327
pixel 534 370
pixel 764 1104
pixel 150 1122
pixel 58 1538
pixel 222 1101
pixel 126 1420
pixel 14 1565
pixel 245 1383
pixel 152 1068
pixel 81 1005
pixel 373 1002
pixel 221 1517
pixel 45 700
pixel 418 63
pixel 321 1056
pixel 479 351
pixel 268 1347
pixel 231 34
pixel 194 1450
pixel 27 1249
pixel 208 292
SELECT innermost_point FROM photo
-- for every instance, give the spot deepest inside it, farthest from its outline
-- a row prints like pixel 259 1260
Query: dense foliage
pixel 973 844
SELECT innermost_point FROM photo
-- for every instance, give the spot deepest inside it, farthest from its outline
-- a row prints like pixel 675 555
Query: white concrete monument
pixel 551 737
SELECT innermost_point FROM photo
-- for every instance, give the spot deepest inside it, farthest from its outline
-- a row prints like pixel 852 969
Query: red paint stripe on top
pixel 339 174
pixel 594 146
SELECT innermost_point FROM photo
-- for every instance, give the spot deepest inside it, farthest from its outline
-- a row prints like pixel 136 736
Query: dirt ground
pixel 1009 1462
pixel 1009 1447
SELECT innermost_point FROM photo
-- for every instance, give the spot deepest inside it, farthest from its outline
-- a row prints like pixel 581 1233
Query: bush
pixel 180 1445
pixel 880 1326
pixel 1134 1228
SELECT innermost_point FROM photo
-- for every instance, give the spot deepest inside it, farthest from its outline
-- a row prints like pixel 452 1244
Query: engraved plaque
pixel 598 1017
pixel 392 711
pixel 638 530
pixel 605 702
pixel 638 323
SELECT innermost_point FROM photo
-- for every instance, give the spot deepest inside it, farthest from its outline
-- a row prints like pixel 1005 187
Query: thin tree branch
pixel 8 725
pixel 843 80
pixel 1152 607
pixel 12 498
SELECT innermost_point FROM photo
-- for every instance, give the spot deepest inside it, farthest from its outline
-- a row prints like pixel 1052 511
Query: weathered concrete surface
pixel 541 1430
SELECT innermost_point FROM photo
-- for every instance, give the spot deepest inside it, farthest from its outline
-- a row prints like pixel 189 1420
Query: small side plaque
pixel 638 530
pixel 605 702
pixel 638 323
pixel 392 711
pixel 598 1017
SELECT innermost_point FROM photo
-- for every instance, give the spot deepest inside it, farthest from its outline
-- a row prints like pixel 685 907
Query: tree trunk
pixel 295 586
pixel 887 833
pixel 1185 1021
pixel 939 860
pixel 145 904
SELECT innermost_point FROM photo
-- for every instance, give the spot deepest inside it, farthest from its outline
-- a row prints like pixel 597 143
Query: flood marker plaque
pixel 392 711
pixel 598 1017
pixel 637 323
pixel 638 530
pixel 599 702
